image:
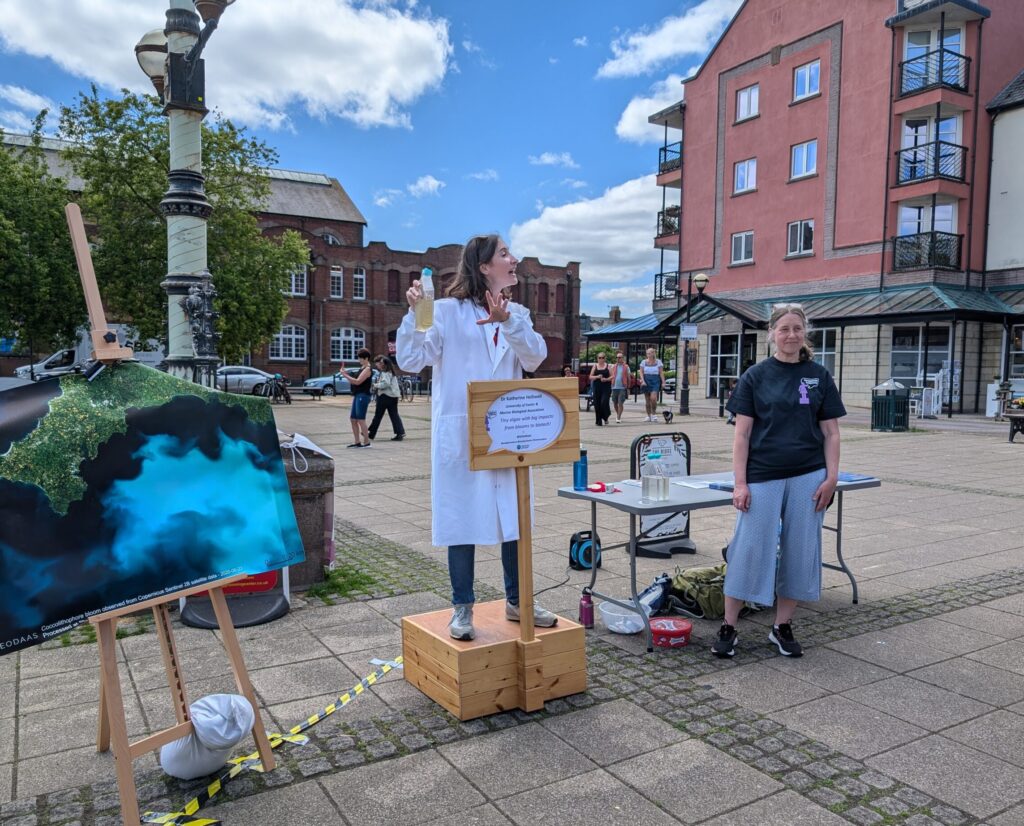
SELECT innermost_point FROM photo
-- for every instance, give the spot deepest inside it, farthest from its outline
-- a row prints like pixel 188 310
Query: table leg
pixel 593 545
pixel 838 531
pixel 632 581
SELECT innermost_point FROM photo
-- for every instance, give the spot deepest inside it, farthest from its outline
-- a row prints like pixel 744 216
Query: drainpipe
pixel 842 350
pixel 974 158
pixel 963 366
pixel 952 357
pixel 988 199
pixel 977 384
pixel 888 162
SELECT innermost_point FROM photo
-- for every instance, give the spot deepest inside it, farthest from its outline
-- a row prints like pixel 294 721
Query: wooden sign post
pixel 512 424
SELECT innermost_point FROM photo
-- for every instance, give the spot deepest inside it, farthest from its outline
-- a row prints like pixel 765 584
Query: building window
pixel 346 342
pixel 746 102
pixel 393 288
pixel 331 240
pixel 745 178
pixel 542 298
pixel 807 80
pixel 359 284
pixel 1017 352
pixel 297 283
pixel 801 238
pixel 289 344
pixel 908 353
pixel 803 159
pixel 743 247
pixel 560 298
pixel 823 342
pixel 337 281
pixel 917 218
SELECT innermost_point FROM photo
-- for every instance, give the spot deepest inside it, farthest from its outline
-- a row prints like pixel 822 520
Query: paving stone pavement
pixel 907 708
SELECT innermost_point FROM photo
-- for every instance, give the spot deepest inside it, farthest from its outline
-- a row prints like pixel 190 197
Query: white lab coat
pixel 477 507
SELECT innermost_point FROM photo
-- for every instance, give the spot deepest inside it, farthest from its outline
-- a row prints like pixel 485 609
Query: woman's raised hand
pixel 414 294
pixel 498 308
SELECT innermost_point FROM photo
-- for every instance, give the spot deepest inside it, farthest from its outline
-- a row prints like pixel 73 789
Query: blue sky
pixel 441 120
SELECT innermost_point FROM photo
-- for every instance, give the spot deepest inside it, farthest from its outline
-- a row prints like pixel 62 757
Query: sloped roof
pixel 1010 96
pixel 650 324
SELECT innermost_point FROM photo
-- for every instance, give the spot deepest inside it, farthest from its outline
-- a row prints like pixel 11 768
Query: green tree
pixel 120 150
pixel 41 301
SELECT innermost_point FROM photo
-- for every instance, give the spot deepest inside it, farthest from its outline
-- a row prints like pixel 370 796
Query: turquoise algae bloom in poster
pixel 128 487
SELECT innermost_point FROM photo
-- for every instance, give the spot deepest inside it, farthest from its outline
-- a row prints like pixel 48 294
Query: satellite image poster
pixel 128 487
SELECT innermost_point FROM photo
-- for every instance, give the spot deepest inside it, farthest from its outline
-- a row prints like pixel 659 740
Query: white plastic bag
pixel 220 722
pixel 621 620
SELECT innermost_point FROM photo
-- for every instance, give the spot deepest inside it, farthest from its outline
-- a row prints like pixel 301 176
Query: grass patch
pixel 343 581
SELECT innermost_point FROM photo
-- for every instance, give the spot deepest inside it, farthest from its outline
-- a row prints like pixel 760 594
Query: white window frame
pixel 824 342
pixel 749 171
pixel 336 286
pixel 746 247
pixel 747 102
pixel 348 340
pixel 289 344
pixel 804 72
pixel 922 375
pixel 800 248
pixel 297 282
pixel 331 239
pixel 358 284
pixel 924 222
pixel 1016 346
pixel 799 165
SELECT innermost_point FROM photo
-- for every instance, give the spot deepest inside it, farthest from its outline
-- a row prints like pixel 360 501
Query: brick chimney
pixel 614 315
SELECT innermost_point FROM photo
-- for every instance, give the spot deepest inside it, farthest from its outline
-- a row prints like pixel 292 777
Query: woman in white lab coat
pixel 477 335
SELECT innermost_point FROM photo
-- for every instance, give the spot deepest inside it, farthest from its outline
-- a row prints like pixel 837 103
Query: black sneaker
pixel 782 636
pixel 725 645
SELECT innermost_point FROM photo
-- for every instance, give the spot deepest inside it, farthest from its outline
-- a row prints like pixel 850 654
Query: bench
pixel 589 399
pixel 1016 423
pixel 316 392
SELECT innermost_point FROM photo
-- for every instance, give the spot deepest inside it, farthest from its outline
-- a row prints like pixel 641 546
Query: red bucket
pixel 670 632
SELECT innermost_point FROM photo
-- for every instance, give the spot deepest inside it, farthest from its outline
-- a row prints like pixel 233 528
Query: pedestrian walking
pixel 785 462
pixel 601 389
pixel 385 384
pixel 622 379
pixel 477 334
pixel 651 376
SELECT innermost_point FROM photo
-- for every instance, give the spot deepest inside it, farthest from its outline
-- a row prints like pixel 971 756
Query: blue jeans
pixel 460 570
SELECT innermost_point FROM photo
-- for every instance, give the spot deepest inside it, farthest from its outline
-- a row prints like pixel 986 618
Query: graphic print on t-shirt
pixel 805 385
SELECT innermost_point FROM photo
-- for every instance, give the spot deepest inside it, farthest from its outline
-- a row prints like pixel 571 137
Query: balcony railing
pixel 668 221
pixel 927 250
pixel 937 159
pixel 941 67
pixel 665 285
pixel 670 157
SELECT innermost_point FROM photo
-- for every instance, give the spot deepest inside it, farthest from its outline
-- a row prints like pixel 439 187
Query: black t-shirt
pixel 363 387
pixel 787 402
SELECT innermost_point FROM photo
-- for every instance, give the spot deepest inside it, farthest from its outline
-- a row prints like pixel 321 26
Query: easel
pixel 112 730
pixel 495 671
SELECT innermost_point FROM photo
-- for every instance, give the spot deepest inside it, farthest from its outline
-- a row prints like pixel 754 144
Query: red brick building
pixel 352 295
pixel 838 155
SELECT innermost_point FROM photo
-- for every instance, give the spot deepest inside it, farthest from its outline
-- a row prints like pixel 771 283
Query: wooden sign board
pixel 523 423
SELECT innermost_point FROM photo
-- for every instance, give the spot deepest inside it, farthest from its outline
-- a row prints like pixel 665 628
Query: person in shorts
pixel 620 385
pixel 361 382
pixel 786 466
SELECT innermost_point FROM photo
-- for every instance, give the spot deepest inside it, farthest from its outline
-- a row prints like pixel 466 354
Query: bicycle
pixel 276 389
pixel 405 387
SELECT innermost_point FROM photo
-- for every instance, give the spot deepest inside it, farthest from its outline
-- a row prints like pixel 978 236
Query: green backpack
pixel 697 592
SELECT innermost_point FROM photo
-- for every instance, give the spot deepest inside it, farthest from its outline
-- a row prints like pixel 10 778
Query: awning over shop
pixel 918 304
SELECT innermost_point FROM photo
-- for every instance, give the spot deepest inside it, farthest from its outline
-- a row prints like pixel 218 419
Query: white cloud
pixel 335 59
pixel 633 125
pixel 386 197
pixel 552 60
pixel 573 183
pixel 554 159
pixel 24 99
pixel 612 236
pixel 579 41
pixel 484 175
pixel 641 293
pixel 633 301
pixel 14 121
pixel 470 46
pixel 692 33
pixel 425 185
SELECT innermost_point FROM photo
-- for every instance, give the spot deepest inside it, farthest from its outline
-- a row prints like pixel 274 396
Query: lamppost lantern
pixel 700 281
pixel 151 52
pixel 211 9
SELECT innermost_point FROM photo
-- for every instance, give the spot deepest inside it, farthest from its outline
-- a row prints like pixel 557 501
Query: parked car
pixel 59 364
pixel 330 385
pixel 239 379
pixel 670 385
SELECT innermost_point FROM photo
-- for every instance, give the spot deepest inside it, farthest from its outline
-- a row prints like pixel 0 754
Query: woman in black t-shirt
pixel 361 382
pixel 601 388
pixel 786 466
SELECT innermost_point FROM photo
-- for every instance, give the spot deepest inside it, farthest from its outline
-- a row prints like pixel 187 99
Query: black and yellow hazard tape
pixel 251 762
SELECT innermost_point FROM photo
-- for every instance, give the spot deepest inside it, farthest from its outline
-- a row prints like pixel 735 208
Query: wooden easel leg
pixel 234 652
pixel 525 555
pixel 179 696
pixel 118 732
pixel 103 726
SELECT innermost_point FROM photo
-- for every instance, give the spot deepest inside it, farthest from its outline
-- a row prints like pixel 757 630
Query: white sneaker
pixel 541 617
pixel 461 625
pixel 618 420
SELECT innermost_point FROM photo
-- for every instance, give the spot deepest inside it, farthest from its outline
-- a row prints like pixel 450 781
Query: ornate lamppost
pixel 171 58
pixel 700 281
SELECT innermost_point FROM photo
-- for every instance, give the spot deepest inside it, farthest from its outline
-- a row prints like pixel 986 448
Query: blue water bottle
pixel 579 471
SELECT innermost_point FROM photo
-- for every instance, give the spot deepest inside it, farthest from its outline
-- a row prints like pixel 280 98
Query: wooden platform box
pixel 496 671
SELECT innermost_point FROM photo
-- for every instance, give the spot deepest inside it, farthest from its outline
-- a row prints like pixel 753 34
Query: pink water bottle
pixel 586 609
